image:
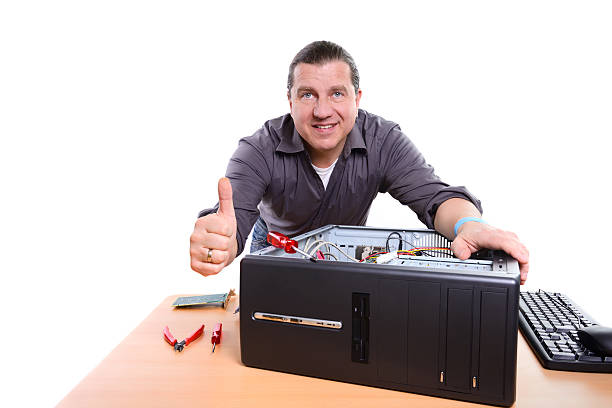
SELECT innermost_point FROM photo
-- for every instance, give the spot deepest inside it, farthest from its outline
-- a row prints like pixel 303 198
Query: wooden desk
pixel 144 371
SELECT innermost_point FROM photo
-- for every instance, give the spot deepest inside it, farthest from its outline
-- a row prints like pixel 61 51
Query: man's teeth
pixel 323 127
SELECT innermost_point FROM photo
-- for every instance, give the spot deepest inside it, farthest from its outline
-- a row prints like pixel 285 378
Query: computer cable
pixel 308 245
pixel 321 243
pixel 416 251
pixel 442 250
pixel 399 237
pixel 330 255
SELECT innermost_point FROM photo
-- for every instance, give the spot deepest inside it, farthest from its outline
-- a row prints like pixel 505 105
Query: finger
pixel 214 224
pixel 206 268
pixel 509 243
pixel 214 241
pixel 524 268
pixel 226 204
pixel 216 256
pixel 200 254
pixel 460 249
pixel 506 242
pixel 517 251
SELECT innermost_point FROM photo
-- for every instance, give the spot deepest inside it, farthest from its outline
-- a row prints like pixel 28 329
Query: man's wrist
pixel 463 220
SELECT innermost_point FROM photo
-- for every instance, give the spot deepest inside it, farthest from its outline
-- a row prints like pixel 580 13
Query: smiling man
pixel 324 163
pixel 324 105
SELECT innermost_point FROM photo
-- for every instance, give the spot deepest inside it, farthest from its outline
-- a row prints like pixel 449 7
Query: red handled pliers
pixel 179 345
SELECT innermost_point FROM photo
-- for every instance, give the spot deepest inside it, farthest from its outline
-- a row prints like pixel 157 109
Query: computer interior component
pixel 220 299
pixel 422 321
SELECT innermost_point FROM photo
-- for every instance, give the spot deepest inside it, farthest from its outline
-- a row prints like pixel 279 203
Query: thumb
pixel 461 249
pixel 226 204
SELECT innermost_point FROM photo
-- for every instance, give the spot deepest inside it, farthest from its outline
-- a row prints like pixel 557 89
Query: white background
pixel 117 118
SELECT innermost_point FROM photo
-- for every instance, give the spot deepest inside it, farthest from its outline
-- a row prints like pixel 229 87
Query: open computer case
pixel 414 318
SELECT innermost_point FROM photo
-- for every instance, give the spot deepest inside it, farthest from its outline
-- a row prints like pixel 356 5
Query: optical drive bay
pixel 446 331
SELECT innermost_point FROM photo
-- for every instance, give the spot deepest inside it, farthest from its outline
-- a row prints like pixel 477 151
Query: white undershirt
pixel 325 173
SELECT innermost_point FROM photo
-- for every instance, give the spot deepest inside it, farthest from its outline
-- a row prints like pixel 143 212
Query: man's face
pixel 323 106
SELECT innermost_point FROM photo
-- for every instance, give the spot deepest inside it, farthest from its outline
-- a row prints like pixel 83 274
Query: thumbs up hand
pixel 213 241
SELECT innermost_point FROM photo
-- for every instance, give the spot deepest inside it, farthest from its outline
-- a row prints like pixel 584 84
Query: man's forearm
pixel 451 211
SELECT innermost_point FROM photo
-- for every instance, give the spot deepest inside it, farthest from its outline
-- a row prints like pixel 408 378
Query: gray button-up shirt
pixel 272 175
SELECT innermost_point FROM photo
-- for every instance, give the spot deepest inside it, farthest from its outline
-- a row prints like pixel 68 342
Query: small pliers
pixel 179 345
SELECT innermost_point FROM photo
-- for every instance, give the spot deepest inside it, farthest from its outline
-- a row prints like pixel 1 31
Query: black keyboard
pixel 549 322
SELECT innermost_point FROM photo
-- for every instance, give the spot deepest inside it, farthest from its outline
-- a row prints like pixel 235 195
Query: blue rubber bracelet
pixel 466 219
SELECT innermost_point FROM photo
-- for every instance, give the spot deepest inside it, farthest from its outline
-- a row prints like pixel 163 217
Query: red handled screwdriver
pixel 290 246
pixel 216 336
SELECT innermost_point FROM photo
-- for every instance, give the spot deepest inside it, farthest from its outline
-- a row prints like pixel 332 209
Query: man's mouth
pixel 325 126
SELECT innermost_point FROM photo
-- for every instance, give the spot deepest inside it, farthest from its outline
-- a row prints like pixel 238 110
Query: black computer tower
pixel 425 323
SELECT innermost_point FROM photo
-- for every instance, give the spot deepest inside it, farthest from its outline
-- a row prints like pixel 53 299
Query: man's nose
pixel 323 108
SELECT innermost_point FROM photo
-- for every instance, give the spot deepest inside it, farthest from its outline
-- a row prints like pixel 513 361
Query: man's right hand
pixel 213 242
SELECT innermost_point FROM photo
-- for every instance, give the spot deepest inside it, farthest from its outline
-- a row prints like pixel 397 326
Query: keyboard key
pixel 558 355
pixel 564 329
pixel 550 344
pixel 587 357
pixel 547 326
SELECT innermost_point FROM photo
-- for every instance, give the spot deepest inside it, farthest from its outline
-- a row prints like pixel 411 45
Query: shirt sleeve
pixel 410 180
pixel 250 176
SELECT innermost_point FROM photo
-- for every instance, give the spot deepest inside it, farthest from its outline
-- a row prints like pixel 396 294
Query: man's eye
pixel 307 95
pixel 337 94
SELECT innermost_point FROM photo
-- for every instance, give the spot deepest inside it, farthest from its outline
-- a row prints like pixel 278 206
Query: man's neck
pixel 323 159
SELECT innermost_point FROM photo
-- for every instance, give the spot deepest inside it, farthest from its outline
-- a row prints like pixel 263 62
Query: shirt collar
pixel 354 140
pixel 291 141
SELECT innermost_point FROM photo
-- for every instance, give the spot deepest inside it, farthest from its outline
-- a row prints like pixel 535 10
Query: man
pixel 324 163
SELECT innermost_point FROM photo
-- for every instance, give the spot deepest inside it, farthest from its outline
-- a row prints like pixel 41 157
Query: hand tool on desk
pixel 216 336
pixel 179 345
pixel 290 246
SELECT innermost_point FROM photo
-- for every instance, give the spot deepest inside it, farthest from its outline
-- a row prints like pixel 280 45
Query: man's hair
pixel 321 52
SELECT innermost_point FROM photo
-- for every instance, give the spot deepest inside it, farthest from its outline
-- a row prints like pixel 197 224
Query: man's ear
pixel 358 97
pixel 289 99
